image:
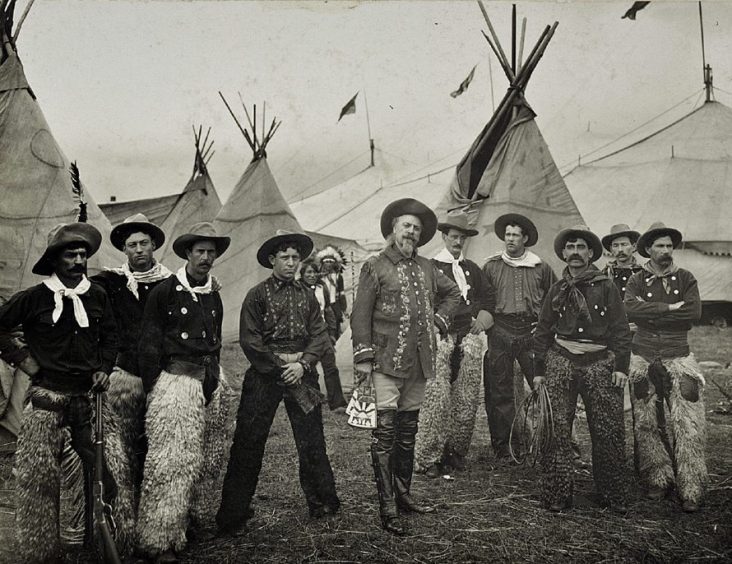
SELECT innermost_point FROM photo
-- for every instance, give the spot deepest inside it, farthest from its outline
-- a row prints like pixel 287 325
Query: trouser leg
pixel 654 464
pixel 175 426
pixel 498 382
pixel 689 433
pixel 556 466
pixel 332 379
pixel 604 408
pixel 260 397
pixel 316 474
pixel 38 472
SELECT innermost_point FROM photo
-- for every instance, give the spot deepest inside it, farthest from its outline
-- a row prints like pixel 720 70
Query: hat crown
pixel 657 225
pixel 619 228
pixel 457 220
pixel 204 229
pixel 55 233
pixel 137 218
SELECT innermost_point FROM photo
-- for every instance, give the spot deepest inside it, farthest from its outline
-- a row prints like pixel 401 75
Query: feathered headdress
pixel 333 253
pixel 78 192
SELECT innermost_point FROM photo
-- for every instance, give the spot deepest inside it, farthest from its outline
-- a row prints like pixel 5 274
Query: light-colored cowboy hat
pixel 620 230
pixel 658 229
pixel 203 231
pixel 133 224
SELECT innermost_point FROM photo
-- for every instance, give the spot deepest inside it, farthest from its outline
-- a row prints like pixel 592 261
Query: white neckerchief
pixel 527 260
pixel 156 273
pixel 445 256
pixel 60 292
pixel 205 289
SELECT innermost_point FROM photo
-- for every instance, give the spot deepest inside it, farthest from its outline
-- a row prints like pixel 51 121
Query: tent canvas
pixel 652 179
pixel 155 209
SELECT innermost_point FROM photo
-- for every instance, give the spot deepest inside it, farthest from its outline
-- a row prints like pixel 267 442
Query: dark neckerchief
pixel 613 265
pixel 570 299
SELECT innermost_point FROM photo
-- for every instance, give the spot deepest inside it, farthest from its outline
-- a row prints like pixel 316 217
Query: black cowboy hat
pixel 655 231
pixel 527 226
pixel 457 220
pixel 579 232
pixel 409 206
pixel 620 230
pixel 303 242
pixel 203 231
pixel 62 236
pixel 133 224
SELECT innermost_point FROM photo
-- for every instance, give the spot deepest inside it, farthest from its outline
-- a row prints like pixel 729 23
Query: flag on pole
pixel 464 84
pixel 634 9
pixel 349 108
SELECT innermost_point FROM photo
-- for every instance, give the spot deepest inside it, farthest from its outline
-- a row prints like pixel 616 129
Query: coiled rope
pixel 535 421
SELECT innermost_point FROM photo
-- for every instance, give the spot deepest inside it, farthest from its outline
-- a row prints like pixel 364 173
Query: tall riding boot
pixel 382 443
pixel 403 462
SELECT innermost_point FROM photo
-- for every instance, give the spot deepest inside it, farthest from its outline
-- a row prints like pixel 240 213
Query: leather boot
pixel 382 444
pixel 403 462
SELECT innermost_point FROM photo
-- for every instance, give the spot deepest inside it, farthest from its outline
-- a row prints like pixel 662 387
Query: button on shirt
pixel 281 316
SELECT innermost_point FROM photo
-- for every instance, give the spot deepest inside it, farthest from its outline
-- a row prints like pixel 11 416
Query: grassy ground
pixel 488 513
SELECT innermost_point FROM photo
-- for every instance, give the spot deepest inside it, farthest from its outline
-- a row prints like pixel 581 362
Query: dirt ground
pixel 488 513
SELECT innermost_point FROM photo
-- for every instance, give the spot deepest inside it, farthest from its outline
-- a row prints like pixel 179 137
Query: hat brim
pixel 527 226
pixel 121 232
pixel 646 240
pixel 592 240
pixel 86 234
pixel 410 206
pixel 445 228
pixel 607 240
pixel 304 243
pixel 187 240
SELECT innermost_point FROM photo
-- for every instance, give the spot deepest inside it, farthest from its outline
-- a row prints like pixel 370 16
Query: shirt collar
pixel 394 255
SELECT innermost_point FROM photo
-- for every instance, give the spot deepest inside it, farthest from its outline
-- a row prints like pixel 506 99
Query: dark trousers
pixel 504 348
pixel 332 379
pixel 260 398
pixel 565 379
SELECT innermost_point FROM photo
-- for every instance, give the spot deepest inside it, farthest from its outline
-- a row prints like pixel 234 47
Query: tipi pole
pixel 502 56
pixel 490 77
pixel 368 125
pixel 25 14
pixel 521 46
pixel 244 131
pixel 513 38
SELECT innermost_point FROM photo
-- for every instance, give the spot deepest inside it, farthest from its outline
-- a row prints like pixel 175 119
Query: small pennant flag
pixel 349 108
pixel 634 9
pixel 464 84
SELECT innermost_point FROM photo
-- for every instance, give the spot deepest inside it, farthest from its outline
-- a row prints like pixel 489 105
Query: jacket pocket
pixel 388 302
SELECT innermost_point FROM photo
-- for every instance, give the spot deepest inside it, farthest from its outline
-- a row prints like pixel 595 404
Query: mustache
pixel 78 268
pixel 570 257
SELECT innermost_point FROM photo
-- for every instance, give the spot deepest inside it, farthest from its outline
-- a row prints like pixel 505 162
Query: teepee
pixel 198 202
pixel 509 168
pixel 254 212
pixel 35 186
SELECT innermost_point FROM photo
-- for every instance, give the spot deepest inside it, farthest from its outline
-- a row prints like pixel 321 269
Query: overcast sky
pixel 121 83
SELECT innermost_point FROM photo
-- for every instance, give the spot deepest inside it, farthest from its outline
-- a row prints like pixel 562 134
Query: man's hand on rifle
pixel 362 372
pixel 293 373
pixel 100 382
pixel 29 365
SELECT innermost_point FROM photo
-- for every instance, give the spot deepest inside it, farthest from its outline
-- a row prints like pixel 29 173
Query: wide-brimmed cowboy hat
pixel 203 231
pixel 655 231
pixel 620 230
pixel 527 227
pixel 457 220
pixel 303 242
pixel 61 237
pixel 578 232
pixel 409 206
pixel 133 224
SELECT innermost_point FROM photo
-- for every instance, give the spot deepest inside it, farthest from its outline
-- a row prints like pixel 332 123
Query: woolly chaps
pixel 124 413
pixel 216 443
pixel 435 412
pixel 604 408
pixel 37 465
pixel 466 395
pixel 686 422
pixel 175 427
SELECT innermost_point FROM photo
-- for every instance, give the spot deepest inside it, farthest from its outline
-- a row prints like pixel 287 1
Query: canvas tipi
pixel 35 186
pixel 254 212
pixel 198 202
pixel 509 169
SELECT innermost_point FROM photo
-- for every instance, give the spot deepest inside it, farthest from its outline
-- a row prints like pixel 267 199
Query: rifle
pixel 103 522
